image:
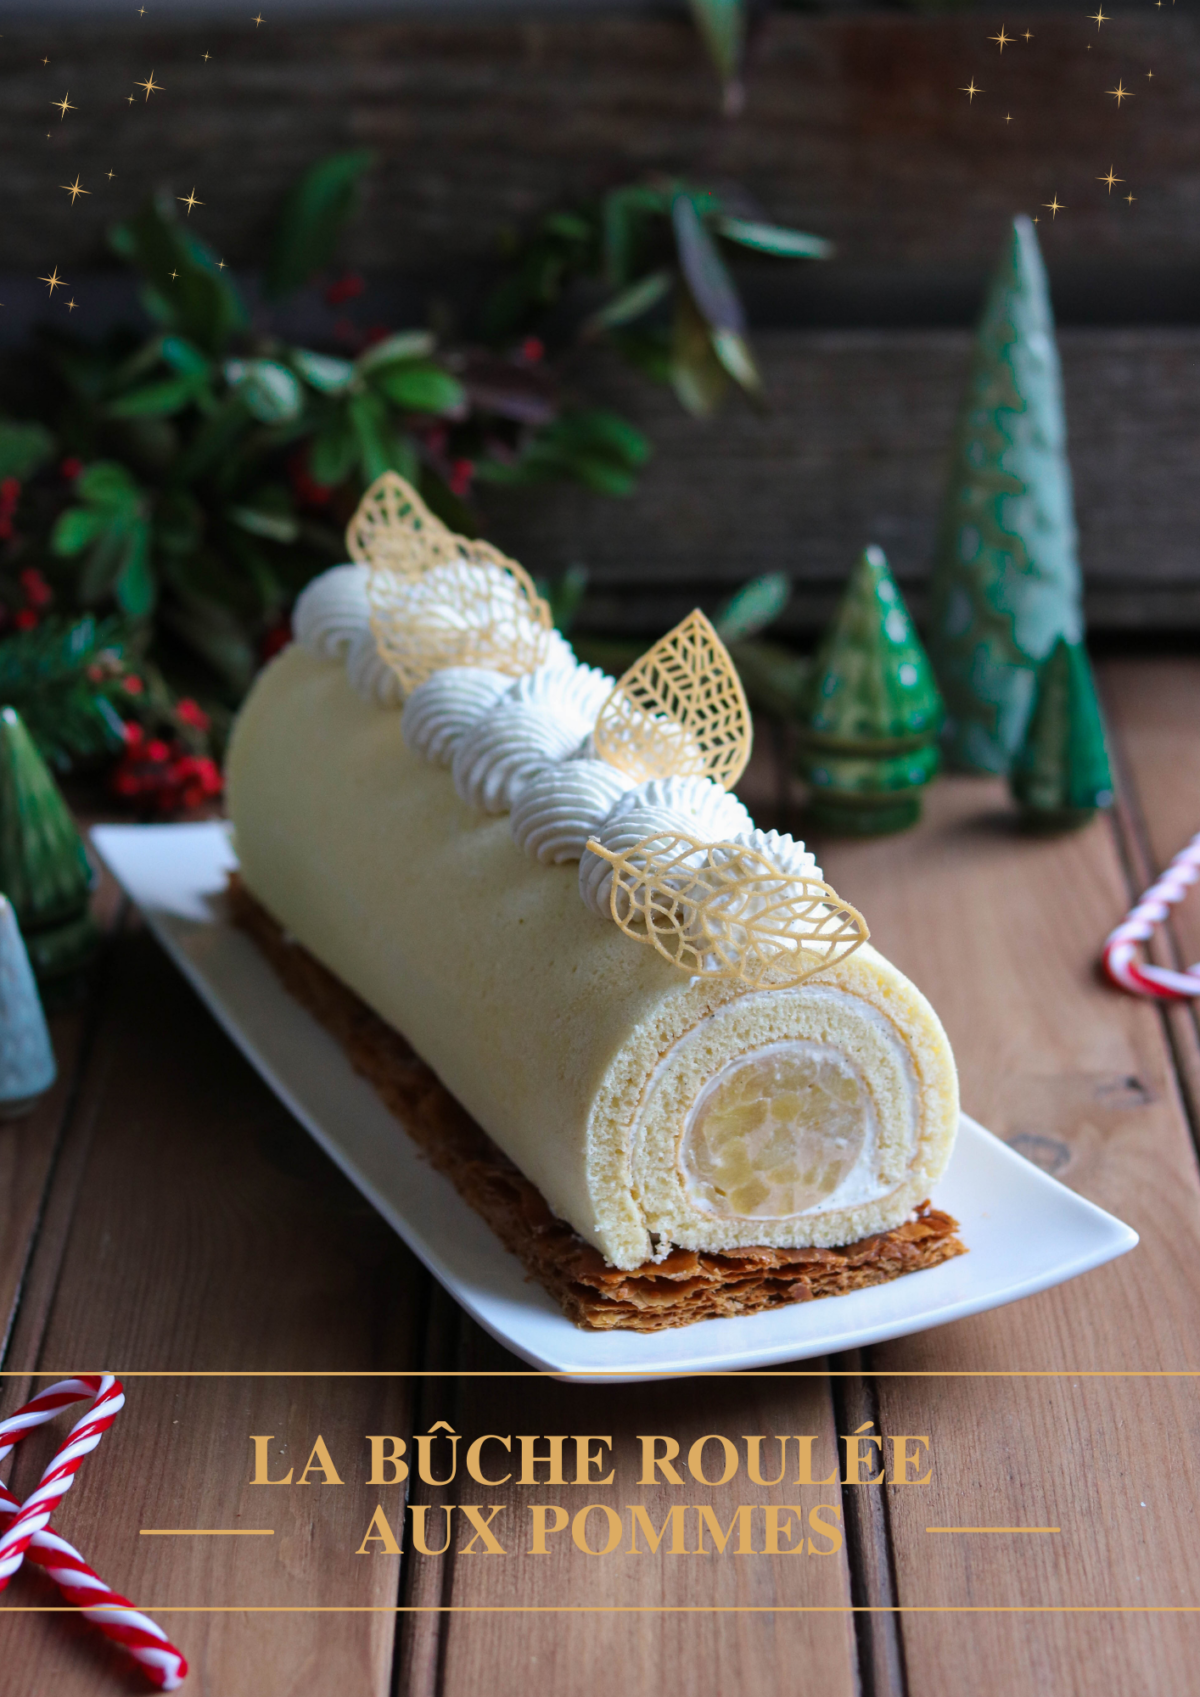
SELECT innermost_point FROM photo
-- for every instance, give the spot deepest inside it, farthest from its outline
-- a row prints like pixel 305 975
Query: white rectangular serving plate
pixel 1024 1231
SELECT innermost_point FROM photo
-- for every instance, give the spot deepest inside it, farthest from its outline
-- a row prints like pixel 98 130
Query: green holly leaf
pixel 772 238
pixel 334 449
pixel 24 449
pixel 135 589
pixel 77 529
pixel 405 344
pixel 185 286
pixel 326 375
pixel 631 303
pixel 380 449
pixel 106 483
pixel 312 219
pixel 722 26
pixel 275 526
pixel 756 605
pixel 267 389
pixel 170 396
pixel 421 386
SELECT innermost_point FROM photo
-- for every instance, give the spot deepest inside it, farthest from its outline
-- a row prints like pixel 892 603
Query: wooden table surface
pixel 161 1212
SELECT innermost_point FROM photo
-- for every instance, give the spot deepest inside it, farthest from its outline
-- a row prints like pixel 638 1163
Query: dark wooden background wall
pixel 854 127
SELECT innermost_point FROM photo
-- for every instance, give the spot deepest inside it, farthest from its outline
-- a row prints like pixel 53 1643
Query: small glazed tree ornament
pixel 44 870
pixel 1005 583
pixel 27 1066
pixel 870 712
pixel 1061 774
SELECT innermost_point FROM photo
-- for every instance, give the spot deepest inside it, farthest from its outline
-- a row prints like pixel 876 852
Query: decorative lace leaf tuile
pixel 438 599
pixel 721 910
pixel 679 712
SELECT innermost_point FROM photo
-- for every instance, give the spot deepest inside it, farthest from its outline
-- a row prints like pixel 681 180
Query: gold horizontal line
pixel 993 1529
pixel 630 1608
pixel 608 1373
pixel 205 1532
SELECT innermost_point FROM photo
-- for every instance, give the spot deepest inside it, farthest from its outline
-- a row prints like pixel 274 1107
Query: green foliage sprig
pixel 171 492
pixel 657 252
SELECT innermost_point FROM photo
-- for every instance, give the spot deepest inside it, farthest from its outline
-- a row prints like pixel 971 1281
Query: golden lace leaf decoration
pixel 439 599
pixel 679 712
pixel 722 910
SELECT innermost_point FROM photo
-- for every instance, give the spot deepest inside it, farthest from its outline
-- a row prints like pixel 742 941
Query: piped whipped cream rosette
pixel 759 1076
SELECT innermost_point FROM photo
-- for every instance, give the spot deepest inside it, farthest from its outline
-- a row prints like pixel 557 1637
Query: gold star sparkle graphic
pixel 1119 93
pixel 1008 117
pixel 45 61
pixel 206 57
pixel 220 265
pixel 53 281
pixel 1110 179
pixel 1054 207
pixel 150 86
pixel 63 106
pixel 189 200
pixel 971 91
pixel 1002 39
pixel 1028 36
pixel 1098 17
pixel 174 274
pixel 258 20
pixel 73 189
pixel 72 304
pixel 111 175
pixel 129 98
pixel 1131 198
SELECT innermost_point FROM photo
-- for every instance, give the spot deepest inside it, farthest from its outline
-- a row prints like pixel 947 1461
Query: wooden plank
pixel 854 126
pixel 590 1653
pixel 853 450
pixel 30 1147
pixel 208 1232
pixel 1152 708
pixel 1002 932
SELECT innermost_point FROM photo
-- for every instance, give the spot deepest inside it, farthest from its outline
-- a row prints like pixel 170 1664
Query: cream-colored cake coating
pixel 649 1109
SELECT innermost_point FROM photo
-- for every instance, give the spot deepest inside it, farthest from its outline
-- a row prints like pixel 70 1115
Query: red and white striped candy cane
pixel 26 1532
pixel 1121 960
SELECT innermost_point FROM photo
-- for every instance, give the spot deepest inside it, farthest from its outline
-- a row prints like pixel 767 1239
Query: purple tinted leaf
pixel 710 284
pixel 508 390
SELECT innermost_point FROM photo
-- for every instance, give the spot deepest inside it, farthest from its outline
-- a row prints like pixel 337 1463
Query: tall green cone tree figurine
pixel 1061 775
pixel 1005 582
pixel 44 871
pixel 871 712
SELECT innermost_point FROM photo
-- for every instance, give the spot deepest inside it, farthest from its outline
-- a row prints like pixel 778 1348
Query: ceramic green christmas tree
pixel 44 871
pixel 1061 775
pixel 27 1066
pixel 1005 582
pixel 871 711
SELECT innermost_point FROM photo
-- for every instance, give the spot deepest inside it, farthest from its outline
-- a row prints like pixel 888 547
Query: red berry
pixel 459 481
pixel 533 350
pixel 71 468
pixel 346 288
pixel 26 619
pixel 191 713
pixel 133 685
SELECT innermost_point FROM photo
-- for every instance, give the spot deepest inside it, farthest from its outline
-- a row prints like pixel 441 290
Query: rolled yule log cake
pixel 666 1022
